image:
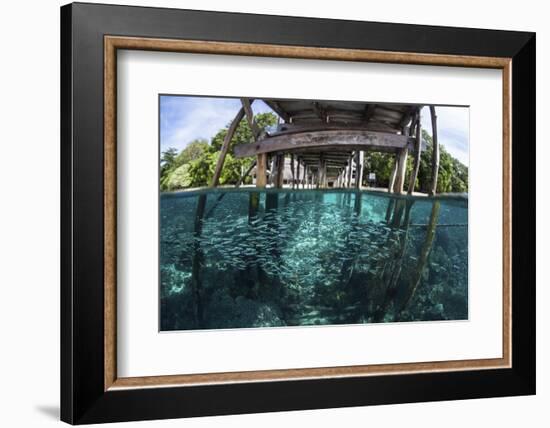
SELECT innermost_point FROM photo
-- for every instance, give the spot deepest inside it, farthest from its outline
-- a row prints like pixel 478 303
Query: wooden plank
pixel 417 154
pixel 276 107
pixel 261 167
pixel 435 152
pixel 325 140
pixel 225 147
pixel 392 115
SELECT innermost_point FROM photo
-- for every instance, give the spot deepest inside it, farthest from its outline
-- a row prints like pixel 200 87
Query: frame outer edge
pixel 66 151
pixel 524 218
pixel 81 399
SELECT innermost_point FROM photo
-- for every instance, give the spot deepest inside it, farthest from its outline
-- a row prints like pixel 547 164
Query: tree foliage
pixel 194 166
pixel 452 175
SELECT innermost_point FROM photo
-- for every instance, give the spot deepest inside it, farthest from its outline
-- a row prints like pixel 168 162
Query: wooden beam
pixel 417 154
pixel 276 107
pixel 435 152
pixel 225 147
pixel 293 128
pixel 330 139
pixel 261 167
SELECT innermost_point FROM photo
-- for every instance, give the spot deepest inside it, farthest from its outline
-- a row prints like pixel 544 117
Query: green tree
pixel 178 179
pixel 172 175
pixel 382 165
pixel 452 176
pixel 243 133
pixel 167 160
pixel 192 151
pixel 202 169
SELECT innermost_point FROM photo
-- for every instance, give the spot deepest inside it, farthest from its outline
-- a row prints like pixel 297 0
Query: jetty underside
pixel 325 143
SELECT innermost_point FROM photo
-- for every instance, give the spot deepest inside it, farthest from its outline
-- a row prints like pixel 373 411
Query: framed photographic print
pixel 265 213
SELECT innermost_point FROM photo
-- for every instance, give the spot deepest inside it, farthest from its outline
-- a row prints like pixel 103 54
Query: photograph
pixel 299 213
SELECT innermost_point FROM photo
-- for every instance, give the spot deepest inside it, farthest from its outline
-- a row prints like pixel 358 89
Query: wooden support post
pixel 393 174
pixel 361 167
pixel 435 153
pixel 319 172
pixel 401 165
pixel 197 270
pixel 401 171
pixel 225 147
pixel 350 170
pixel 424 254
pixel 280 171
pixel 323 167
pixel 417 154
pixel 292 170
pixel 359 156
pixel 273 169
pixel 261 166
pixel 298 174
pixel 345 180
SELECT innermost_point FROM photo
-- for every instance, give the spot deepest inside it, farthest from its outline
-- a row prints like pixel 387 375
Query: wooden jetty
pixel 326 142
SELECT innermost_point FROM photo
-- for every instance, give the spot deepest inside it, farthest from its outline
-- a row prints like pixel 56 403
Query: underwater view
pixel 248 258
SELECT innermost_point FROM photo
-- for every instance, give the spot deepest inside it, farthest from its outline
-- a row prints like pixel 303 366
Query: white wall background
pixel 29 213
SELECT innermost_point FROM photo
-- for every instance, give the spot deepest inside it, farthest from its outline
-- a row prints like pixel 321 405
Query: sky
pixel 184 119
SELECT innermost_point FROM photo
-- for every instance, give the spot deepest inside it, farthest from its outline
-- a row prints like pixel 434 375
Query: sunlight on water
pixel 243 258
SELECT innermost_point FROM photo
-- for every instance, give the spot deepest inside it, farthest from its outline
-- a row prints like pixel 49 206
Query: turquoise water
pixel 243 258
